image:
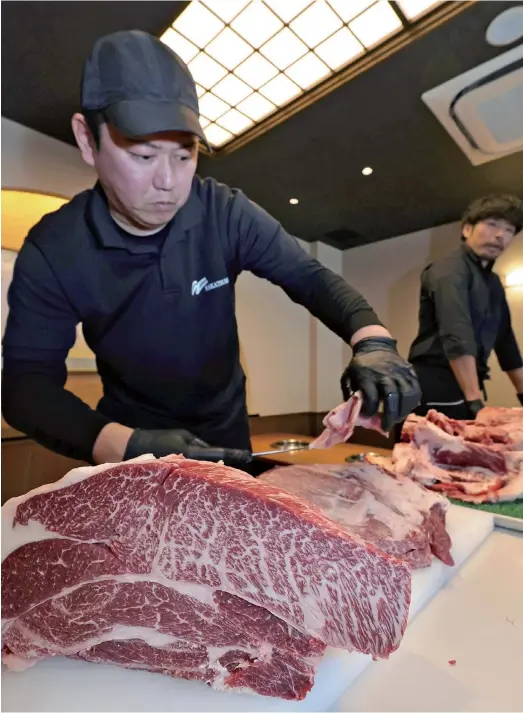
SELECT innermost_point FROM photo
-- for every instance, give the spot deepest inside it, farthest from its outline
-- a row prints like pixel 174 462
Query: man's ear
pixel 84 138
pixel 466 230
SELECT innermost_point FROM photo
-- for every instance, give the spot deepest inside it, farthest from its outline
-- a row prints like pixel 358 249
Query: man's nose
pixel 165 175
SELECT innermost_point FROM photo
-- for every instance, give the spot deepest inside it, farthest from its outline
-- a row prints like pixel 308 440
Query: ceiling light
pixel 256 107
pixel 198 24
pixel 226 11
pixel 514 278
pixel 217 136
pixel 200 91
pixel 415 8
pixel 206 71
pixel 348 9
pixel 280 90
pixel 183 48
pixel 294 201
pixel 229 49
pixel 307 71
pixel 288 9
pixel 367 171
pixel 204 121
pixel 339 48
pixel 257 23
pixel 212 107
pixel 235 122
pixel 316 23
pixel 284 49
pixel 232 90
pixel 375 24
pixel 256 70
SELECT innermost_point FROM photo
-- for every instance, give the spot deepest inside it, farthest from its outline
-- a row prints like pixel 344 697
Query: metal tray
pixel 290 444
pixel 359 457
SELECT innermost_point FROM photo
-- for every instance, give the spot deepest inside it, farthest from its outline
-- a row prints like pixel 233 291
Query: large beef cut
pixel 193 570
pixel 466 461
pixel 396 514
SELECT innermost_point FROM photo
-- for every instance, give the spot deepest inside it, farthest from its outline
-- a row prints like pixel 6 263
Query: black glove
pixel 474 407
pixel 179 441
pixel 520 397
pixel 382 376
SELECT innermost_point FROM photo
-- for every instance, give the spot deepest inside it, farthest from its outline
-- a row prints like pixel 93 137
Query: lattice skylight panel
pixel 250 58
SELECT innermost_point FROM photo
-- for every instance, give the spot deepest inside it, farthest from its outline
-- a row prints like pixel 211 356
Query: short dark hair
pixel 502 207
pixel 94 120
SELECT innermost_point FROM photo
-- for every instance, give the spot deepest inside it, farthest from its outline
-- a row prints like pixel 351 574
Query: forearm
pixel 516 377
pixel 339 306
pixel 465 371
pixel 374 330
pixel 111 443
pixel 49 414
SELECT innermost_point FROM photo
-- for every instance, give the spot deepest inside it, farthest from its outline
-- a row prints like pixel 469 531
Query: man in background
pixel 464 314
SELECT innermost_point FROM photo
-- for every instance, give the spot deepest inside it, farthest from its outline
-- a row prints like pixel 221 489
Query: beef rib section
pixel 194 569
pixel 464 460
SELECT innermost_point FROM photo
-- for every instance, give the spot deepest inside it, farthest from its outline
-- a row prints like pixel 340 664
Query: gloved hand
pixel 165 442
pixel 474 407
pixel 382 376
pixel 520 397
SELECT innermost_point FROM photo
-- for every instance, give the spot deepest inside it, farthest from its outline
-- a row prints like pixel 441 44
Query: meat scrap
pixel 467 461
pixel 396 514
pixel 193 570
pixel 341 421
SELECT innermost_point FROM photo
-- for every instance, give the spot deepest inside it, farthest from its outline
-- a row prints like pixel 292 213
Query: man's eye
pixel 142 157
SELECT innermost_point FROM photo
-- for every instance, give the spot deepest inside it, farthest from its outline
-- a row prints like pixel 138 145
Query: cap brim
pixel 140 117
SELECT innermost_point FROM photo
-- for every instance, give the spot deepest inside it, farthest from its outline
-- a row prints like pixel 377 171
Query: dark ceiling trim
pixel 412 32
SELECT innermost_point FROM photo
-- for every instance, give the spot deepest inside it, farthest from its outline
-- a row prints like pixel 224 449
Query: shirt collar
pixel 104 228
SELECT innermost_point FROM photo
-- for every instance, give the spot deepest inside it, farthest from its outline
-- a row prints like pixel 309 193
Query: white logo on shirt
pixel 205 285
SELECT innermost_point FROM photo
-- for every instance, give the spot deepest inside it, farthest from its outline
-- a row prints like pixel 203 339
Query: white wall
pixel 33 161
pixel 388 273
pixel 293 363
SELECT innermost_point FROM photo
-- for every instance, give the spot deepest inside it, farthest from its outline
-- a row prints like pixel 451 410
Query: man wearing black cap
pixel 464 314
pixel 147 261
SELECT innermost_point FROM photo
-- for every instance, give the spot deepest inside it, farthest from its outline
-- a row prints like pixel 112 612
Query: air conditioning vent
pixel 482 109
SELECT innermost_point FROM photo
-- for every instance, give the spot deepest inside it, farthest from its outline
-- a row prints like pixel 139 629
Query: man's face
pixel 489 238
pixel 146 180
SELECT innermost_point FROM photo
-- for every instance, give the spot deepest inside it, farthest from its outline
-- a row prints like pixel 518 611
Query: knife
pixel 289 449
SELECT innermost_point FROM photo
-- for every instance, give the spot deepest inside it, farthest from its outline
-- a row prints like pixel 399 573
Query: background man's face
pixel 489 238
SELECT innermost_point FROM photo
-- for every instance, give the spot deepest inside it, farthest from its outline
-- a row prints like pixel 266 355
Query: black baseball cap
pixel 141 85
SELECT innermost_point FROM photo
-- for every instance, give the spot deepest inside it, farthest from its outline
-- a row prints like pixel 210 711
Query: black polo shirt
pixel 463 311
pixel 158 312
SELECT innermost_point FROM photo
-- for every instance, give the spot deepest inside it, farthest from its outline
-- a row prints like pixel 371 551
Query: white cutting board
pixel 62 684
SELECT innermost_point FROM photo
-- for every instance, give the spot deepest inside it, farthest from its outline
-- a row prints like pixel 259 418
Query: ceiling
pixel 420 179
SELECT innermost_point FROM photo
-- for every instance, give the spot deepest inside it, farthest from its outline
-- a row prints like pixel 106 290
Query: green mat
pixel 509 509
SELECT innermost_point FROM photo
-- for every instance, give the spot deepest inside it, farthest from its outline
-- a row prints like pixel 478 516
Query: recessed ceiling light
pixel 367 171
pixel 294 201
